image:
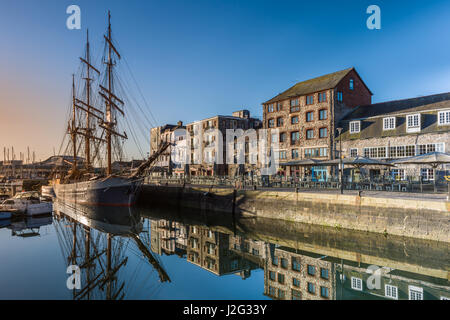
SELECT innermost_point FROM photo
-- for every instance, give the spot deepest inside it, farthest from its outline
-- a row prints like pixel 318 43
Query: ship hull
pixel 111 191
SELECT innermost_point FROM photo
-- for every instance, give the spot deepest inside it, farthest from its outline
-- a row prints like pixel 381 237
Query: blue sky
pixel 195 59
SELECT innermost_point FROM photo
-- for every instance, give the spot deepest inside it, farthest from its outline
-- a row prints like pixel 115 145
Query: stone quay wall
pixel 417 218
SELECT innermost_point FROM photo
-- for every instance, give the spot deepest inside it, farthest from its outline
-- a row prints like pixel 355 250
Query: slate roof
pixel 371 117
pixel 325 82
pixel 436 101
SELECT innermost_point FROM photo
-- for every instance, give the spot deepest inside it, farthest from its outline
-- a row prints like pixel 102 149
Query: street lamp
pixel 340 159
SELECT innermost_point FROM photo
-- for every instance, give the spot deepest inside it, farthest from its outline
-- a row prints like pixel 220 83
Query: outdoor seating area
pixel 353 179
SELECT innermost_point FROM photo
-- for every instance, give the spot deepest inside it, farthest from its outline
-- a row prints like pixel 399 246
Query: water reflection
pixel 287 261
pixel 97 240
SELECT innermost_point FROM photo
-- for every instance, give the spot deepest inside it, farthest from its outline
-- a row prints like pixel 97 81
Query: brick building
pixel 399 129
pixel 291 274
pixel 202 135
pixel 307 114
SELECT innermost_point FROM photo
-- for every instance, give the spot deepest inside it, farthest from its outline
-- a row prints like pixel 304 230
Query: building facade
pixel 166 163
pixel 399 129
pixel 306 116
pixel 204 145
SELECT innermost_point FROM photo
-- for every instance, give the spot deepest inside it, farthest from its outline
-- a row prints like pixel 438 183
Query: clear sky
pixel 195 59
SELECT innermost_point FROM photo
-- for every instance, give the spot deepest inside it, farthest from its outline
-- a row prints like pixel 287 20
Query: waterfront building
pixel 353 281
pixel 306 116
pixel 168 237
pixel 210 250
pixel 399 129
pixel 165 164
pixel 291 274
pixel 204 146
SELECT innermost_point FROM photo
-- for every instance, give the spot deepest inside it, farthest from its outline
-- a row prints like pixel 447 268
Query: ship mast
pixel 111 99
pixel 87 107
pixel 73 130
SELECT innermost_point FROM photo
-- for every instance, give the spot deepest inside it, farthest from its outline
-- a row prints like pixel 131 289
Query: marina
pixel 156 151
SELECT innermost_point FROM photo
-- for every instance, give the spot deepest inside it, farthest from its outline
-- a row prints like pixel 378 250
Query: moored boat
pixel 28 203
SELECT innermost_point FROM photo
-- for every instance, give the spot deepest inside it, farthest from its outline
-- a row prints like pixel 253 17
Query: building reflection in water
pixel 290 274
pixel 90 239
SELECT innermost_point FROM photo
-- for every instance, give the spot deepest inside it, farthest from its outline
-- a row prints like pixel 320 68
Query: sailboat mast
pixel 88 100
pixel 108 104
pixel 73 127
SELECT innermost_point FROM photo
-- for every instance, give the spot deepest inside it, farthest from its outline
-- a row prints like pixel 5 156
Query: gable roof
pixel 436 101
pixel 321 83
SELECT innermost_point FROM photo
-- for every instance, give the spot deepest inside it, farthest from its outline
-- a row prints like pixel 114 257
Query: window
pixel 316 152
pixel 272 275
pixel 294 120
pixel 355 126
pixel 270 107
pixel 282 155
pixel 295 264
pixel 309 134
pixel 311 270
pixel 275 261
pixel 398 174
pixel 427 174
pixel 375 152
pixel 311 288
pixel 324 292
pixel 323 132
pixel 295 136
pixel 356 284
pixel 294 153
pixel 353 152
pixel 310 116
pixel 280 122
pixel 323 114
pixel 339 96
pixel 283 137
pixel 284 263
pixel 391 291
pixel 323 97
pixel 389 123
pixel 351 84
pixel 281 294
pixel 271 123
pixel 324 273
pixel 295 282
pixel 279 107
pixel 271 291
pixel 413 123
pixel 415 293
pixel 281 278
pixel 274 138
pixel 296 295
pixel 309 100
pixel 295 106
pixel 444 117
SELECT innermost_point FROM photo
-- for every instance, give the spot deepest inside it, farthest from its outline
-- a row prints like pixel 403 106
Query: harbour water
pixel 141 253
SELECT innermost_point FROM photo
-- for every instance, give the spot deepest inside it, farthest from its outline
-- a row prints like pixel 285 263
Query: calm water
pixel 152 254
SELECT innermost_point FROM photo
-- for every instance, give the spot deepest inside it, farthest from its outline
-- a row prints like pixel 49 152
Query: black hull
pixel 112 191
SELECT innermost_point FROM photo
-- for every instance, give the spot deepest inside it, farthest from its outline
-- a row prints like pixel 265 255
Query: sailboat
pixel 83 186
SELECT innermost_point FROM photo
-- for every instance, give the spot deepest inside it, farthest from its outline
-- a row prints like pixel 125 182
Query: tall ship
pixel 94 128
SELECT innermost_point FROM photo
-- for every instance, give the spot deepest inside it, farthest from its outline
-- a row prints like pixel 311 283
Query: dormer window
pixel 413 123
pixel 389 123
pixel 351 84
pixel 444 118
pixel 355 126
